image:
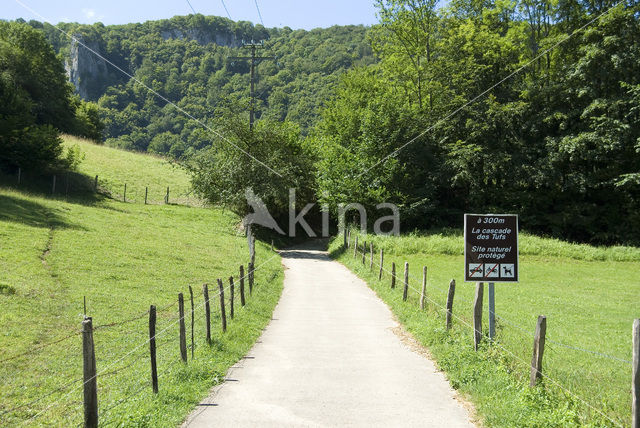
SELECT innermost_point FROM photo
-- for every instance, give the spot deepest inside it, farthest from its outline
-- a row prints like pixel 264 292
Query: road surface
pixel 330 357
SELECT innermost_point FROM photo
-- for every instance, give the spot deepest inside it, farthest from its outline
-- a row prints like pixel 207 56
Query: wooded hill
pixel 188 60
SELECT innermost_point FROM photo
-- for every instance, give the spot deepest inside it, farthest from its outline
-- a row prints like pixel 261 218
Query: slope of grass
pixel 115 168
pixel 122 258
pixel 590 301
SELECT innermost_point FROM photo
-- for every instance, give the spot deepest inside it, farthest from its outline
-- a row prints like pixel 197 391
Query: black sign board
pixel 491 247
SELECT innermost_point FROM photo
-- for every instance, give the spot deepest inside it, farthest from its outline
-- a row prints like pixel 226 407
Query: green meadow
pixel 588 294
pixel 55 252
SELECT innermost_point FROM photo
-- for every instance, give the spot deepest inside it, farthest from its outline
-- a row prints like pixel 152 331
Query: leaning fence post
pixel 250 274
pixel 381 263
pixel 424 286
pixel 232 295
pixel 477 315
pixel 364 251
pixel 635 386
pixel 405 292
pixel 355 247
pixel 207 311
pixel 152 348
pixel 223 313
pixel 193 346
pixel 450 295
pixel 146 194
pixel 242 300
pixel 393 274
pixel 371 254
pixel 89 372
pixel 183 334
pixel 538 350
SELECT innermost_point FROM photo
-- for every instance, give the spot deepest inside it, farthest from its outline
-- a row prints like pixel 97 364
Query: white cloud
pixel 89 13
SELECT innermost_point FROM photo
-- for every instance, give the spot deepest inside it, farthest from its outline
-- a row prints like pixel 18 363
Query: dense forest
pixel 189 60
pixel 529 107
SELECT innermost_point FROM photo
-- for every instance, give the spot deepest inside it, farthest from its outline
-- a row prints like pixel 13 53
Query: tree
pixel 223 173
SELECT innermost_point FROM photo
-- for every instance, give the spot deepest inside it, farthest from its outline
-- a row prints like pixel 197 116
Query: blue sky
pixel 305 14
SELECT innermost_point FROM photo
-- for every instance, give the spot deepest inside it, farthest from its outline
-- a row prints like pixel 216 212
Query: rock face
pixel 86 70
pixel 203 37
pixel 90 74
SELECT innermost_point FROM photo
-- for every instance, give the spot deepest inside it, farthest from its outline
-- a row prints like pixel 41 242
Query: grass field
pixel 590 298
pixel 116 167
pixel 123 257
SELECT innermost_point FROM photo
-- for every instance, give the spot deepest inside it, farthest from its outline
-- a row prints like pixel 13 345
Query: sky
pixel 306 14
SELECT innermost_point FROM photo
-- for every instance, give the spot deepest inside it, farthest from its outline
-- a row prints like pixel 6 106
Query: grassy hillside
pixel 590 298
pixel 115 168
pixel 122 257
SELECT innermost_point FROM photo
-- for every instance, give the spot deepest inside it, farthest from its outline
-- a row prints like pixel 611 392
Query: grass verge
pixel 589 304
pixel 122 257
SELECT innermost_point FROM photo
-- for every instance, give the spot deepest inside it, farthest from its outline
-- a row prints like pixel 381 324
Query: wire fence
pixel 125 363
pixel 70 185
pixel 515 343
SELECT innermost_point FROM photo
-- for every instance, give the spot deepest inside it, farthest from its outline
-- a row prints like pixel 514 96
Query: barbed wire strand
pixel 160 333
pixel 465 323
pixel 528 332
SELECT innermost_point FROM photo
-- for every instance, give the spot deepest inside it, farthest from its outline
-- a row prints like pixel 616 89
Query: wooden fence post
pixel 344 238
pixel 53 186
pixel 381 263
pixel 66 185
pixel 405 292
pixel 250 274
pixel 355 247
pixel 231 297
pixel 89 372
pixel 183 334
pixel 242 300
pixel 424 287
pixel 635 386
pixel 223 312
pixel 166 197
pixel 538 350
pixel 477 315
pixel 19 175
pixel 95 184
pixel 348 237
pixel 393 274
pixel 146 194
pixel 152 348
pixel 193 345
pixel 364 251
pixel 124 197
pixel 371 254
pixel 450 295
pixel 207 311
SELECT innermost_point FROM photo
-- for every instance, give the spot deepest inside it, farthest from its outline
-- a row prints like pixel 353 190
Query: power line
pixel 194 11
pixel 259 14
pixel 482 94
pixel 226 10
pixel 156 93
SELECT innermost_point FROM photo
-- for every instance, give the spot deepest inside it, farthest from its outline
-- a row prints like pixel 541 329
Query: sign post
pixel 491 253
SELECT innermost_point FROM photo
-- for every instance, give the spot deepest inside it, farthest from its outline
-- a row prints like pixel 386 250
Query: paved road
pixel 328 358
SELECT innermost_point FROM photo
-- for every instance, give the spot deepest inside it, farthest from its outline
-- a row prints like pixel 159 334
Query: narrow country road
pixel 330 358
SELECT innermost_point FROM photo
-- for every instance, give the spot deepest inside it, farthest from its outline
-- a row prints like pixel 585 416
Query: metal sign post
pixel 491 253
